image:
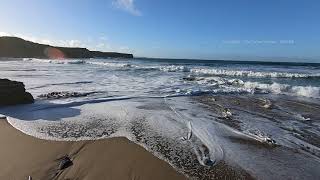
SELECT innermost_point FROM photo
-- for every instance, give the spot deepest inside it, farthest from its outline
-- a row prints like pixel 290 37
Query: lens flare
pixel 54 53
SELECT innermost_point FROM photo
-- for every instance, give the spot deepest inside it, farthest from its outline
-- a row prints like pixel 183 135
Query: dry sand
pixel 117 158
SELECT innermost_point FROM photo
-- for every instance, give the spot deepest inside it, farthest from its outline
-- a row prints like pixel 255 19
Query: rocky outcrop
pixel 13 93
pixel 63 95
pixel 65 162
pixel 13 47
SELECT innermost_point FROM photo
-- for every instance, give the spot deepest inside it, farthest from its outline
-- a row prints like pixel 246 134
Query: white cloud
pixel 4 34
pixel 103 38
pixel 68 43
pixel 102 47
pixel 124 49
pixel 127 5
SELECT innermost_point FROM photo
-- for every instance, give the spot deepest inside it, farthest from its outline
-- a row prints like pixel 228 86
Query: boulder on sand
pixel 13 93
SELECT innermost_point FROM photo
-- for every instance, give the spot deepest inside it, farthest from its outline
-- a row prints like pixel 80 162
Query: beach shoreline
pixel 205 121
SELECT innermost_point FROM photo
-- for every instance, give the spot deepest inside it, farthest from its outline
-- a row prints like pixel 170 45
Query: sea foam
pixel 244 73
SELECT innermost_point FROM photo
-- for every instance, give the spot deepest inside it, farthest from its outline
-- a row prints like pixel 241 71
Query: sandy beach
pixel 116 158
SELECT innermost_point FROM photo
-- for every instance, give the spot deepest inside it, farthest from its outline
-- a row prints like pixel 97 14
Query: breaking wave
pixel 173 68
pixel 277 88
pixel 55 61
pixel 224 72
pixel 184 68
pixel 110 64
pixel 218 85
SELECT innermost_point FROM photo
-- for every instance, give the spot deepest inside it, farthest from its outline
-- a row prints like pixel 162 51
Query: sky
pixel 273 30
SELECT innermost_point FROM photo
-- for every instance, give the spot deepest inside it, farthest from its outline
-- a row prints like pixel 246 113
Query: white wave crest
pixel 274 88
pixel 308 91
pixel 173 68
pixel 225 85
pixel 277 88
pixel 111 64
pixel 55 61
pixel 224 72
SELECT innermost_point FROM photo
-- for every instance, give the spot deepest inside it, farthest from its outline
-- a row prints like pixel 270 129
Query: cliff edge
pixel 14 47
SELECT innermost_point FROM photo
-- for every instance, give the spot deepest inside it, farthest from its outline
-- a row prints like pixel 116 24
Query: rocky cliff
pixel 13 47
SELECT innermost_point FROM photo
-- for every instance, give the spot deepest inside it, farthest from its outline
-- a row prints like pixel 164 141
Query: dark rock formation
pixel 13 47
pixel 63 95
pixel 13 93
pixel 65 162
pixel 189 78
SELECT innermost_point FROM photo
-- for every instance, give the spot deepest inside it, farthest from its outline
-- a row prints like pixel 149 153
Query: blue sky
pixel 203 29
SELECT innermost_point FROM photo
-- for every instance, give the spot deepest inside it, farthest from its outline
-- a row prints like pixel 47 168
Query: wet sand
pixel 277 109
pixel 284 128
pixel 116 158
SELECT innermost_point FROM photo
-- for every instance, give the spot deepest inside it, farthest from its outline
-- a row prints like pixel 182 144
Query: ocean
pixel 260 117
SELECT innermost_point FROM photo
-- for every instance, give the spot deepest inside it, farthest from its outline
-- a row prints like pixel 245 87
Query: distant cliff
pixel 13 47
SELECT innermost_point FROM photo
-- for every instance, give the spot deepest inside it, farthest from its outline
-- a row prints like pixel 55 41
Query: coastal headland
pixel 14 47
